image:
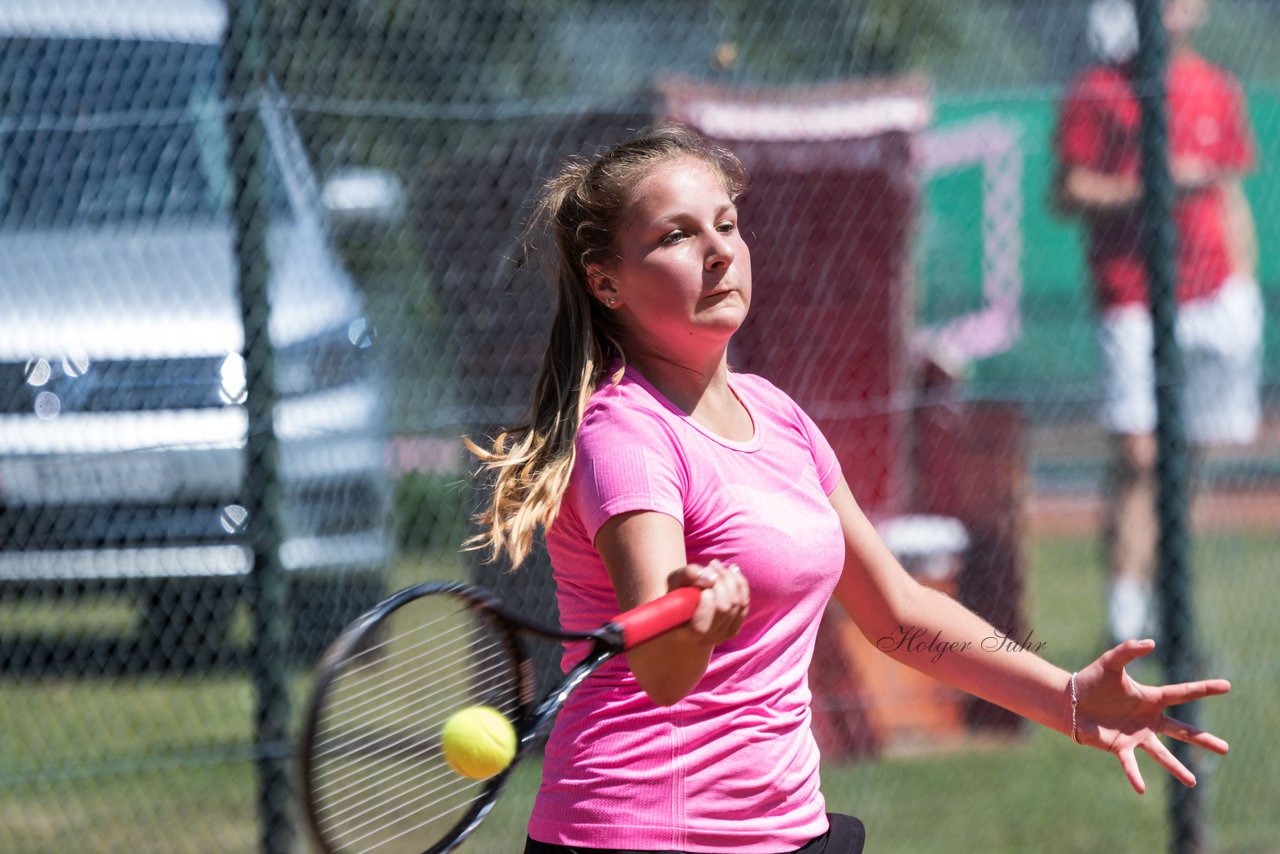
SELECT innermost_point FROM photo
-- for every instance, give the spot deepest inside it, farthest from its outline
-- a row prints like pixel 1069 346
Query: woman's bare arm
pixel 644 553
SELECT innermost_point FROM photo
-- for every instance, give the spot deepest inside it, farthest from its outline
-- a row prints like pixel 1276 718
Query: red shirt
pixel 1099 128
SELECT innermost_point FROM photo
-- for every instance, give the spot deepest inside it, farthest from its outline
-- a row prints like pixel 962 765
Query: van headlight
pixel 38 372
pixel 234 387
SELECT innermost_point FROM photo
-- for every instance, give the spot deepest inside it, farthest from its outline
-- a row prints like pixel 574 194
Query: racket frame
pixel 530 719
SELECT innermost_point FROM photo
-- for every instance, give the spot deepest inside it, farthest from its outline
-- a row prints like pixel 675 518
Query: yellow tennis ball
pixel 478 742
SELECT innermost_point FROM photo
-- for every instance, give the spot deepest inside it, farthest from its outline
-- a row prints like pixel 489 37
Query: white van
pixel 122 388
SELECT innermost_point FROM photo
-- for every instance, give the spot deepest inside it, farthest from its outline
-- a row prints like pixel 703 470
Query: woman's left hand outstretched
pixel 1117 714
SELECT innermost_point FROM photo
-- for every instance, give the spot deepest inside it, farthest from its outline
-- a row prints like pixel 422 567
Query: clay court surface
pixel 1242 493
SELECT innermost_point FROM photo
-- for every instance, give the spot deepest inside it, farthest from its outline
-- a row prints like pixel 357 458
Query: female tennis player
pixel 651 465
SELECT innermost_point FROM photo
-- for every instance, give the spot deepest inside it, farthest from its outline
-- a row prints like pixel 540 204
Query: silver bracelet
pixel 1075 732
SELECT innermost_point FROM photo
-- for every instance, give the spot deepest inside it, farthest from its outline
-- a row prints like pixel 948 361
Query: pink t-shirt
pixel 733 766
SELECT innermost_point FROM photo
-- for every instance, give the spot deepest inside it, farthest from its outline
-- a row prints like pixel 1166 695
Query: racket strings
pixel 395 646
pixel 390 697
pixel 409 746
pixel 365 812
pixel 387 840
pixel 380 781
pixel 374 821
pixel 389 706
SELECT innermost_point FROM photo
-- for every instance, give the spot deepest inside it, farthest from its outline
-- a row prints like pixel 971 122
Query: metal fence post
pixel 246 82
pixel 1160 242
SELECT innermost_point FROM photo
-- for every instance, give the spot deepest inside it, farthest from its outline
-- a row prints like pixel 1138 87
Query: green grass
pixel 102 616
pixel 162 764
pixel 1044 793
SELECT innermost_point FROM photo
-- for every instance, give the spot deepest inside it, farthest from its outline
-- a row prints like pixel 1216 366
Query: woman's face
pixel 682 273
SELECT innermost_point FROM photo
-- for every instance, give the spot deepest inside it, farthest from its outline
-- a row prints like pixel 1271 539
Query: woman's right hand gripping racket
pixel 373 770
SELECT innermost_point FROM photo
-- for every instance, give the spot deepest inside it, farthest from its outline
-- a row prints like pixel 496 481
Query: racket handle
pixel 658 617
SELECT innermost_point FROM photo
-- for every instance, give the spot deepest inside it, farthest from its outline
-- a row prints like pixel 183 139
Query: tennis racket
pixel 374 776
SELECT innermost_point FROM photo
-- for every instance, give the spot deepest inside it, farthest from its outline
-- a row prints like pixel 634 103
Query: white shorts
pixel 1221 341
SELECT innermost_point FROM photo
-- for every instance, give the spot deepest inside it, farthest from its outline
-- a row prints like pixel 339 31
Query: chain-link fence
pixel 305 215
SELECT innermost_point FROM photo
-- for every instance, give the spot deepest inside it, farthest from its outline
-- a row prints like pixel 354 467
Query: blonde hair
pixel 574 224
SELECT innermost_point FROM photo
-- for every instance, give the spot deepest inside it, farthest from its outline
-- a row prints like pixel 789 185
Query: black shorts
pixel 845 836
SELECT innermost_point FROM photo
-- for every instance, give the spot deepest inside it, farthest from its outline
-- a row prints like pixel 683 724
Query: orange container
pixel 865 702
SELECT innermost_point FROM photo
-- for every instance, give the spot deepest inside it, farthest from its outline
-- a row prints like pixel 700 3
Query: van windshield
pixel 97 131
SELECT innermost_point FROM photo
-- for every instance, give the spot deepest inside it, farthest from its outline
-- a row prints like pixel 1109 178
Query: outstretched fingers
pixel 1186 692
pixel 1175 728
pixel 1129 763
pixel 1168 761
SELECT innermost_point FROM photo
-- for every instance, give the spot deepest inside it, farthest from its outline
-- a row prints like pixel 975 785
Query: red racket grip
pixel 658 617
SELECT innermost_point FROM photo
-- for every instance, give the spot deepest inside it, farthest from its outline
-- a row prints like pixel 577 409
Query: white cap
pixel 1112 31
